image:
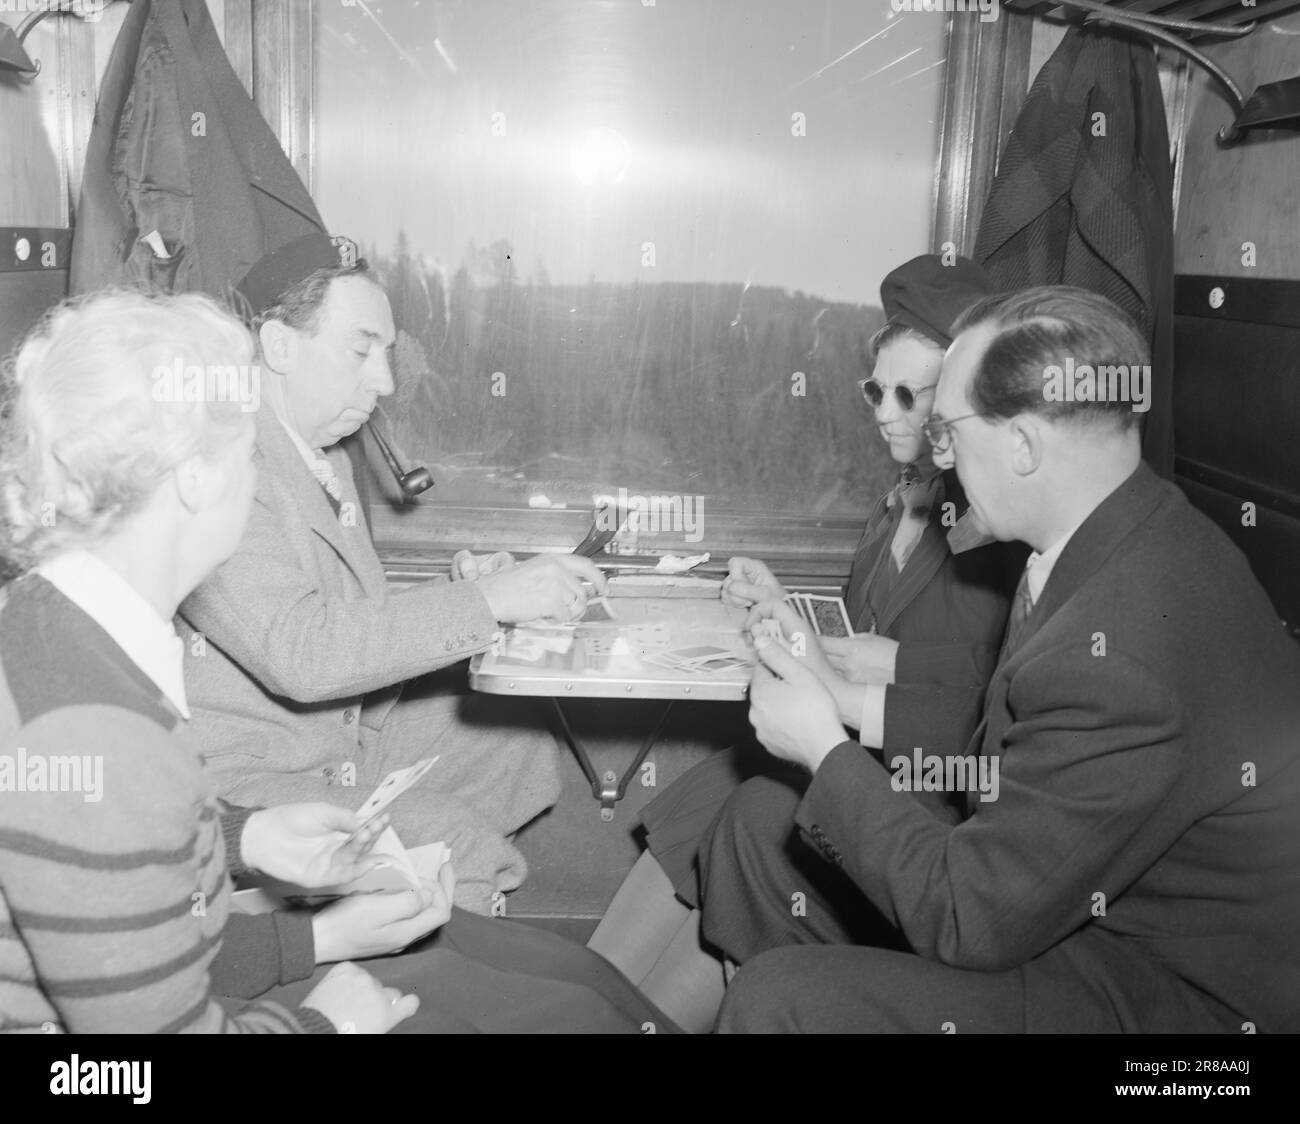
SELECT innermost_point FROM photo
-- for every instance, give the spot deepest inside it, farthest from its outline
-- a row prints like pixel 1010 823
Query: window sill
pixel 416 542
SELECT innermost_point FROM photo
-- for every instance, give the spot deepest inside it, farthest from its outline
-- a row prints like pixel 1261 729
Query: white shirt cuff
pixel 871 730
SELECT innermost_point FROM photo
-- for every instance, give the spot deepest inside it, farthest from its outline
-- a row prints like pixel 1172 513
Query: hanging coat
pixel 185 185
pixel 1084 196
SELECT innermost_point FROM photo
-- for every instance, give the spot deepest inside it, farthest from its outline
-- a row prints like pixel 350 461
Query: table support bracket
pixel 609 789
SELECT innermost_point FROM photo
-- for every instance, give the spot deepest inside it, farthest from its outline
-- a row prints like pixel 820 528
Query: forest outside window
pixel 633 246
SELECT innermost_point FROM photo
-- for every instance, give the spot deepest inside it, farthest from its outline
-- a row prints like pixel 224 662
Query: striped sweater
pixel 111 909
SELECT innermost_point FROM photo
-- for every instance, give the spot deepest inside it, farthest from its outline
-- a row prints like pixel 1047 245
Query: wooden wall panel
pixel 283 70
pixel 32 190
pixel 1247 193
pixel 77 92
pixel 237 37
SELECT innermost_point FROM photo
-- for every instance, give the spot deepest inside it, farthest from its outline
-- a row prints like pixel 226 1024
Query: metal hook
pixel 1146 19
pixel 1154 28
pixel 25 29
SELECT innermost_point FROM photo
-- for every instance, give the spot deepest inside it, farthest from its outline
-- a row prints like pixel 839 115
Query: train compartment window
pixel 632 249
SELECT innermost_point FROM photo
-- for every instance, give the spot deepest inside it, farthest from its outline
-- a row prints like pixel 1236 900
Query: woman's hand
pixel 365 925
pixel 467 566
pixel 749 581
pixel 862 659
pixel 310 844
pixel 793 713
pixel 357 1003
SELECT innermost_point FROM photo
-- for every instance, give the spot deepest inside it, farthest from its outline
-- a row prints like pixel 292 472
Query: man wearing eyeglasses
pixel 928 614
pixel 1133 868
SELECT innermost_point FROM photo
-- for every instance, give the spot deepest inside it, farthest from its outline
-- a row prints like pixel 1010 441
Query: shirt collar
pixel 919 486
pixel 109 600
pixel 1039 566
pixel 309 455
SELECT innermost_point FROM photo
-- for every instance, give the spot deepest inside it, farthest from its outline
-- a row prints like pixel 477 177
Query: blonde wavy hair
pixel 84 439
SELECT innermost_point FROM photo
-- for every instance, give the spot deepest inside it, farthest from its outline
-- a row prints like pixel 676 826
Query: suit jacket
pixel 303 643
pixel 178 147
pixel 1072 206
pixel 1145 839
pixel 947 611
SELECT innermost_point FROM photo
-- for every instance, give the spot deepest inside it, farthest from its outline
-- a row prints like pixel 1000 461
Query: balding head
pixel 1043 439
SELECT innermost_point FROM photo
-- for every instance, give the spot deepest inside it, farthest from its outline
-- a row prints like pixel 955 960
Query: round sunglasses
pixel 874 392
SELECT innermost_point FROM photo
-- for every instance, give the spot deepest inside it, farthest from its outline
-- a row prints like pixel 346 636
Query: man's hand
pixel 749 581
pixel 548 586
pixel 862 659
pixel 469 567
pixel 365 925
pixel 807 647
pixel 793 714
pixel 357 1003
pixel 310 844
pixel 800 640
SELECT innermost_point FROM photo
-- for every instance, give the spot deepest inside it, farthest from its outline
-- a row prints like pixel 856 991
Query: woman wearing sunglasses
pixel 120 492
pixel 927 598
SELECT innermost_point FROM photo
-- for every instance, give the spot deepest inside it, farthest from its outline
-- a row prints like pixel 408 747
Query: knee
pixel 761 999
pixel 753 824
pixel 760 810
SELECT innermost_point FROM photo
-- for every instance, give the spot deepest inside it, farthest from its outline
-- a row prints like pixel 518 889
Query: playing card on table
pixel 665 660
pixel 701 653
pixel 722 663
pixel 700 658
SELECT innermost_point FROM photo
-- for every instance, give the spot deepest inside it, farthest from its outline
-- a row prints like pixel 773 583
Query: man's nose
pixel 945 460
pixel 379 374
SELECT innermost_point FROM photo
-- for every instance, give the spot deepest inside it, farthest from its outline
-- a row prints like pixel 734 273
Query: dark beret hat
pixel 927 295
pixel 283 268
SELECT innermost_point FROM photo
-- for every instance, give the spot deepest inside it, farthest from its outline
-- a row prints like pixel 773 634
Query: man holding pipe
pixel 304 669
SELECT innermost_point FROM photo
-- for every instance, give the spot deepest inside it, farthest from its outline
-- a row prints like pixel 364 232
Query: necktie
pixel 1021 605
pixel 326 477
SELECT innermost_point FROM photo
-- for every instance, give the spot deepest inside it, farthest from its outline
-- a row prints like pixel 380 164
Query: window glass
pixel 633 245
